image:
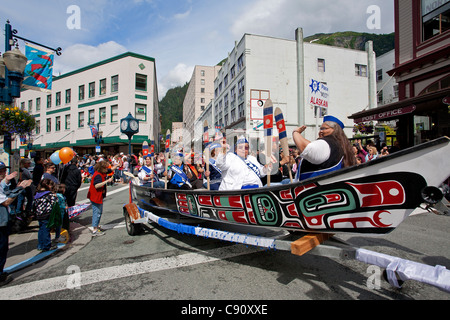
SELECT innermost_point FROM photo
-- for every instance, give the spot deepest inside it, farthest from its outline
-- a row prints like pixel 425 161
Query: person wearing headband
pixel 240 170
pixel 146 175
pixel 331 151
pixel 181 176
pixel 214 173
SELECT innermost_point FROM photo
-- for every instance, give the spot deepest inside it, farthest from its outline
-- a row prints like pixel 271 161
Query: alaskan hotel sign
pixel 387 114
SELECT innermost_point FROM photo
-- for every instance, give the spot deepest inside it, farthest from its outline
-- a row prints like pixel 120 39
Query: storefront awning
pixel 412 105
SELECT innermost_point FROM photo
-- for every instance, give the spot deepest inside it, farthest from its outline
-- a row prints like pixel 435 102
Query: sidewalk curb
pixel 77 232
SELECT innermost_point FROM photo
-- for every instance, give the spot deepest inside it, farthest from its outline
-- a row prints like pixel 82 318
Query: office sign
pixel 387 114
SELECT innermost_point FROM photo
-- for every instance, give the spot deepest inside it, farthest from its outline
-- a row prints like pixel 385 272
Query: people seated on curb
pixel 147 176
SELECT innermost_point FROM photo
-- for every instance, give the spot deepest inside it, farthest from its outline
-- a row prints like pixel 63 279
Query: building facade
pixel 387 86
pixel 199 93
pixel 261 67
pixel 100 95
pixel 422 71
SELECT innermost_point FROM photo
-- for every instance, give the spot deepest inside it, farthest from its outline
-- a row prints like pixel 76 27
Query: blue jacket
pixel 5 193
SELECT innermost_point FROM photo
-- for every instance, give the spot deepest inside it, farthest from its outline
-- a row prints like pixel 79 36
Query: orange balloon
pixel 66 154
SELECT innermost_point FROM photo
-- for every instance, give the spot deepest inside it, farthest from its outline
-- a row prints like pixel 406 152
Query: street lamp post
pixel 12 66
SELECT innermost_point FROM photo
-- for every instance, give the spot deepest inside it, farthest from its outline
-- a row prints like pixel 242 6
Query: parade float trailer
pixel 371 198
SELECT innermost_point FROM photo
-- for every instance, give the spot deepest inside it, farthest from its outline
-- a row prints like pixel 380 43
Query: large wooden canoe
pixel 374 197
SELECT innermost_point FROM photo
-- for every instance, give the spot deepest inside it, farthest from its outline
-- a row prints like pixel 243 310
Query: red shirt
pixel 97 195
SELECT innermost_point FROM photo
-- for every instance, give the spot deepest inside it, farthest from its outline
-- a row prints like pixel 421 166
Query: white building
pixel 98 94
pixel 387 86
pixel 261 67
pixel 176 135
pixel 199 93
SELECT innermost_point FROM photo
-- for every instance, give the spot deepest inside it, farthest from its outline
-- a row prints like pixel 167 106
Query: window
pixel 91 89
pixel 202 82
pixel 435 18
pixel 114 83
pixel 380 75
pixel 102 86
pixel 57 123
pixel 49 101
pixel 233 72
pixel 58 99
pixel 114 113
pixel 233 115
pixel 225 103
pixel 38 104
pixel 91 115
pixel 202 73
pixel 233 94
pixel 81 92
pixel 241 87
pixel 141 112
pixel 30 106
pixel 241 110
pixel 360 70
pixel 141 82
pixel 68 94
pixel 380 97
pixel 22 106
pixel 202 90
pixel 67 122
pixel 38 127
pixel 81 119
pixel 321 65
pixel 49 124
pixel 102 115
pixel 240 62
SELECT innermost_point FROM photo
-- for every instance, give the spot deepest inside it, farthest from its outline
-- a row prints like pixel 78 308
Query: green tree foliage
pixel 171 107
pixel 382 43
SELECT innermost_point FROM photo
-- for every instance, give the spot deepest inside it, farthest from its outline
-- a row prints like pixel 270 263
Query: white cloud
pixel 81 55
pixel 178 76
pixel 183 15
pixel 281 18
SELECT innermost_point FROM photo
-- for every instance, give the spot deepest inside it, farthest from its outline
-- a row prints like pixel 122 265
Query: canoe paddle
pixel 282 136
pixel 167 155
pixel 268 127
pixel 206 151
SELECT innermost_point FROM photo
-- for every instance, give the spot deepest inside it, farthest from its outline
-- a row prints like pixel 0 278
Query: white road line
pixel 109 193
pixel 83 278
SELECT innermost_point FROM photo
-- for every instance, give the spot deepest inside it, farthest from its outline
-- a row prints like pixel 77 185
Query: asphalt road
pixel 160 264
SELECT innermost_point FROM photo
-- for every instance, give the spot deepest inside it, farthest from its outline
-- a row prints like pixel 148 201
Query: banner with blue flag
pixel 94 130
pixel 39 69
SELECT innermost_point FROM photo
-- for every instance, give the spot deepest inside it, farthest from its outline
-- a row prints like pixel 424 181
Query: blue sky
pixel 179 34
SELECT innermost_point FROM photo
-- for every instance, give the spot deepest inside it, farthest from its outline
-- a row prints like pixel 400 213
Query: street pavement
pixel 23 251
pixel 25 261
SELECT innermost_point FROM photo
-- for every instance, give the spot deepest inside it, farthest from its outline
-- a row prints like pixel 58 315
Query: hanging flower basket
pixel 363 128
pixel 15 121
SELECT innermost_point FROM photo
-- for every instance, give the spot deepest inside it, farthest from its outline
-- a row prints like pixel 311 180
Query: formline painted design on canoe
pixel 374 197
